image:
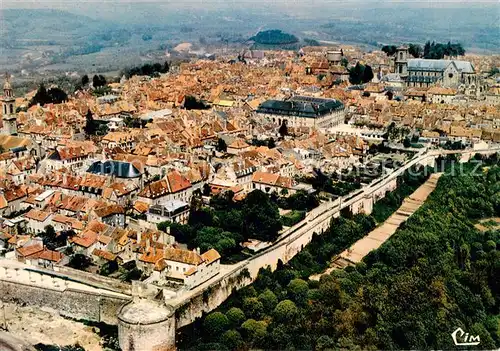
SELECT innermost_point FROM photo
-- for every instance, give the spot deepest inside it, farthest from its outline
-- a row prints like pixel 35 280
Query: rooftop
pixel 439 65
pixel 117 168
pixel 302 106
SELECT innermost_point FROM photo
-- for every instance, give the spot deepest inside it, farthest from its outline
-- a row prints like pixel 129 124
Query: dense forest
pixel 437 273
pixel 274 37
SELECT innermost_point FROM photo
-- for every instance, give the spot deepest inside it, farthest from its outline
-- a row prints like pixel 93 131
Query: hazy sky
pixel 121 10
pixel 205 3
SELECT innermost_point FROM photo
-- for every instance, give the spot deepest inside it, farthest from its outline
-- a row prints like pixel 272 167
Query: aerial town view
pixel 249 175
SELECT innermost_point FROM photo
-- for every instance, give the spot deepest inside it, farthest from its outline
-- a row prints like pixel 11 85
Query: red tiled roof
pixel 37 215
pixel 104 254
pixel 27 251
pixel 85 239
pixel 210 256
pixel 184 256
pixel 174 182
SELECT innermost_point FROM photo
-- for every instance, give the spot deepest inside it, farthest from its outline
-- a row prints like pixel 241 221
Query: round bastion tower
pixel 146 324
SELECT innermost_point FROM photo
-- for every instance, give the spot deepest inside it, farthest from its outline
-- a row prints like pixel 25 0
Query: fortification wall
pixel 285 249
pixel 72 299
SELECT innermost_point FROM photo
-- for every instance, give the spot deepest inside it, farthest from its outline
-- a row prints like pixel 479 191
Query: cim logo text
pixel 461 338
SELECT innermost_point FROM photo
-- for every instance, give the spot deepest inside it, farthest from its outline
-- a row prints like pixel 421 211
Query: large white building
pixel 303 111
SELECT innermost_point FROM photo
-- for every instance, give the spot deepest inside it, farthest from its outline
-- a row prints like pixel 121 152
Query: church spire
pixel 7 88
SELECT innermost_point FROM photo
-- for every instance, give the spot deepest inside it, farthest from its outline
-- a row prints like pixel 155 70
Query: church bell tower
pixel 9 117
pixel 401 61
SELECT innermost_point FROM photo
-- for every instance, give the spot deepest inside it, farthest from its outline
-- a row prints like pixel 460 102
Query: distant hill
pixel 274 37
pixel 110 38
pixel 45 25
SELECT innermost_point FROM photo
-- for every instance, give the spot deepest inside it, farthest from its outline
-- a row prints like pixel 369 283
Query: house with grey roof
pixel 117 169
pixel 303 111
pixel 456 74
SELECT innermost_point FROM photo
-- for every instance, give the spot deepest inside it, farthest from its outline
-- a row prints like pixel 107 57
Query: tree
pixel 75 347
pixel 166 67
pixel 254 331
pixel 360 74
pixel 215 323
pixel 493 71
pixel 324 342
pixel 253 307
pixel 390 50
pixel 283 130
pixel 98 81
pixel 285 311
pixel 212 238
pixel 297 291
pixel 438 50
pixel 344 62
pixel 235 316
pixel 79 261
pixel 206 190
pixel 232 340
pixel 274 37
pixel 56 95
pixel 131 272
pixel 415 50
pixel 262 219
pixel 300 201
pixel 271 143
pixel 192 103
pixel 95 81
pixel 108 268
pixel 427 49
pixel 268 300
pixel 367 74
pixel 41 97
pixel 53 95
pixel 221 145
pixel 49 238
pixel 90 125
pixel 102 130
pixel 85 80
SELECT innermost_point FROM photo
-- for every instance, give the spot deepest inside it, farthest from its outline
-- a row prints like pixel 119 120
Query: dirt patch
pixel 36 325
pixel 488 224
